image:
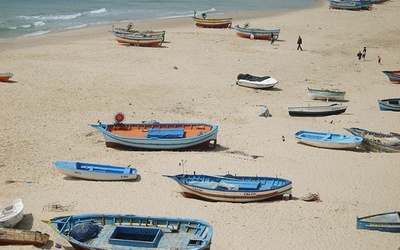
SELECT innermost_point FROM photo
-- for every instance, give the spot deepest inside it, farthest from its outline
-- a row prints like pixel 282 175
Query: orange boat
pixel 5 77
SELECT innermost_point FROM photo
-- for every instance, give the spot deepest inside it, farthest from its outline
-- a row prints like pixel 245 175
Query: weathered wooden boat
pixel 220 23
pixel 251 33
pixel 159 135
pixel 326 94
pixel 232 188
pixel 256 81
pixel 332 109
pixel 391 104
pixel 94 171
pixel 128 231
pixel 394 76
pixel 9 236
pixel 5 77
pixel 387 222
pixel 11 215
pixel 138 34
pixel 328 139
pixel 143 41
pixel 377 142
pixel 345 5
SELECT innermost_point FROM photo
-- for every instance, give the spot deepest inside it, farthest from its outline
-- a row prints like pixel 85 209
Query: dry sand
pixel 65 81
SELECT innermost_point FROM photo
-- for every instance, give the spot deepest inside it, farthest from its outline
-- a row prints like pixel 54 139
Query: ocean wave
pixel 62 17
pixel 37 33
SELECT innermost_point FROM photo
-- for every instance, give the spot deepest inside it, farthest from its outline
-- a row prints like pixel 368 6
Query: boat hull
pixel 345 5
pixel 328 140
pixel 392 104
pixel 10 236
pixel 256 33
pixel 213 23
pixel 377 142
pixel 128 231
pixel 195 135
pixel 386 222
pixel 144 42
pixel 5 77
pixel 394 76
pixel 11 215
pixel 325 94
pixel 216 188
pixel 98 172
pixel 317 110
pixel 267 83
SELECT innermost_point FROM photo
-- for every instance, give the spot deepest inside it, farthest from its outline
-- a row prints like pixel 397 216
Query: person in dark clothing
pixel 272 38
pixel 359 55
pixel 364 53
pixel 299 42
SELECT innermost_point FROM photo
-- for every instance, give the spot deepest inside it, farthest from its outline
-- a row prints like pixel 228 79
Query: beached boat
pixel 392 104
pixel 156 135
pixel 11 215
pixel 326 94
pixel 328 139
pixel 138 34
pixel 251 33
pixel 128 231
pixel 10 236
pixel 394 76
pixel 332 109
pixel 144 41
pixel 5 77
pixel 256 81
pixel 377 142
pixel 93 171
pixel 232 188
pixel 345 5
pixel 213 22
pixel 387 222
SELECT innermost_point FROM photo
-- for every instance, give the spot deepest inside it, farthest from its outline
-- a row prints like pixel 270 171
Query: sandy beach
pixel 64 81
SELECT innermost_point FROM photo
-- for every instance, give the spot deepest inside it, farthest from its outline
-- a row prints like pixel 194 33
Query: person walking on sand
pixel 379 59
pixel 299 42
pixel 364 53
pixel 272 38
pixel 359 55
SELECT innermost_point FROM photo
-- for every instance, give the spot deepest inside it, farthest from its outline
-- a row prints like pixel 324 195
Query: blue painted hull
pixel 256 33
pixel 128 231
pixel 392 104
pixel 328 140
pixel 394 76
pixel 386 222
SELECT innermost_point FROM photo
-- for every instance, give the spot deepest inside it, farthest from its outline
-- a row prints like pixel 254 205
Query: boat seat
pixel 127 171
pixel 165 133
pixel 242 184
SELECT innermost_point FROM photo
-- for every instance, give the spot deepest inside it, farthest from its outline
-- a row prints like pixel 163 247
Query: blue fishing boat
pixel 392 104
pixel 94 171
pixel 128 231
pixel 252 33
pixel 394 76
pixel 158 135
pixel 328 139
pixel 377 142
pixel 386 222
pixel 345 5
pixel 232 188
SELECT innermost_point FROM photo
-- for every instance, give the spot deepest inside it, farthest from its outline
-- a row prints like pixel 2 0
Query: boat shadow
pixel 69 178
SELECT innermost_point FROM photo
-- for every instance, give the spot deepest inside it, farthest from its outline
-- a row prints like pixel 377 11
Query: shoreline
pixel 64 81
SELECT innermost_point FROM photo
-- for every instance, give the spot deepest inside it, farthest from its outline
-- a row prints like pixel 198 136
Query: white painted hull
pixel 314 94
pixel 13 214
pixel 266 84
pixel 331 145
pixel 81 174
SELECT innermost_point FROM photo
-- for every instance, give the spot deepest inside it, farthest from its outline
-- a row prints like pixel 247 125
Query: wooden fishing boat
pixel 256 81
pixel 138 34
pixel 326 94
pixel 128 231
pixel 10 236
pixel 345 5
pixel 232 188
pixel 251 33
pixel 332 109
pixel 394 76
pixel 328 139
pixel 387 222
pixel 156 135
pixel 93 171
pixel 392 104
pixel 11 215
pixel 144 41
pixel 377 142
pixel 220 23
pixel 5 77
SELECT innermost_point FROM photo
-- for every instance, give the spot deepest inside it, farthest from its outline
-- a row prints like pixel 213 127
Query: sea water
pixel 24 18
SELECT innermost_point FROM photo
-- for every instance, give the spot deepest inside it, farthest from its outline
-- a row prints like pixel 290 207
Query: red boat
pixel 5 77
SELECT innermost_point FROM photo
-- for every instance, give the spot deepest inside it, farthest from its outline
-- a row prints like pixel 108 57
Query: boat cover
pixel 84 231
pixel 166 133
pixel 252 78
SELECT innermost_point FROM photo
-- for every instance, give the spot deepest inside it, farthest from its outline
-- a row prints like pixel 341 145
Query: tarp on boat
pixel 252 78
pixel 84 231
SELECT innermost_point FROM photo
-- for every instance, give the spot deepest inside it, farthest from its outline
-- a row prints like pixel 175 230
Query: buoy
pixel 119 117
